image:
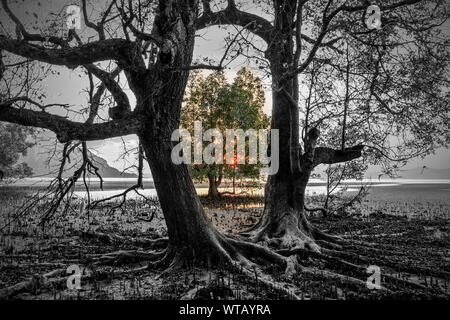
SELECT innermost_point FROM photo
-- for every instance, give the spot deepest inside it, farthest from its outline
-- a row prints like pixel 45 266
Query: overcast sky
pixel 68 87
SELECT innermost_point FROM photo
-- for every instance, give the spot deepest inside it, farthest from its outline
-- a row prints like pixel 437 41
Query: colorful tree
pixel 218 104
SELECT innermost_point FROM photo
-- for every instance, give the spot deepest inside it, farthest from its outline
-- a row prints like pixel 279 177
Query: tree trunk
pixel 191 237
pixel 159 97
pixel 284 222
pixel 213 192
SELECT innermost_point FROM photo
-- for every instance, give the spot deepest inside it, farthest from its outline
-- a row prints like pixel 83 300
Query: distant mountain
pixel 38 160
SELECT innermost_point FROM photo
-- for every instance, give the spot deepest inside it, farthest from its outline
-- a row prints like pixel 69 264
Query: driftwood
pixel 33 284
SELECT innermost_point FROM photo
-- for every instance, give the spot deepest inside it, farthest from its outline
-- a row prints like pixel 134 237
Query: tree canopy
pixel 218 104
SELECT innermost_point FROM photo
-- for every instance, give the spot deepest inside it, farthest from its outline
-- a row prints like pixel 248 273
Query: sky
pixel 69 87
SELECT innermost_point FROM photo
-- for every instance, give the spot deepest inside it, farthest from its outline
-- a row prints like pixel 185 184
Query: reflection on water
pixel 310 190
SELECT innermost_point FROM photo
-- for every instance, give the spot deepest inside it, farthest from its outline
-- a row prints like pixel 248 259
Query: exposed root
pixel 125 257
pixel 288 233
pixel 357 283
pixel 110 239
pixel 385 261
pixel 235 255
pixel 325 239
pixel 357 270
pixel 56 278
pixel 169 261
pixel 33 284
pixel 306 251
pixel 252 250
pixel 225 252
pixel 271 284
pixel 294 236
pixel 328 245
pixel 259 280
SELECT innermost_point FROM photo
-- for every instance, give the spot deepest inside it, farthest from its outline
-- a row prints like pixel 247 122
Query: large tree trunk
pixel 213 192
pixel 191 237
pixel 284 222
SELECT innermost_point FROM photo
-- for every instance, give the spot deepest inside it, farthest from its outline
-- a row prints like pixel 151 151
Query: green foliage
pixel 13 144
pixel 218 104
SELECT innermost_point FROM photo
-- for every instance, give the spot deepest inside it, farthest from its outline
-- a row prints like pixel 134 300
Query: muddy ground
pixel 34 261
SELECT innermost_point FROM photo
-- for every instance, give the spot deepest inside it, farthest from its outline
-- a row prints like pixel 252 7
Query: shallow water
pixel 408 190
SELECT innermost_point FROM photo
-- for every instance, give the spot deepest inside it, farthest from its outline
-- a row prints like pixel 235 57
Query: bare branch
pixel 364 6
pixel 222 60
pixel 94 99
pixel 201 66
pixel 29 36
pixel 128 23
pixel 326 21
pixel 323 155
pixel 139 185
pixel 86 18
pixel 67 130
pixel 231 15
pixel 35 103
pixel 111 49
pixel 121 99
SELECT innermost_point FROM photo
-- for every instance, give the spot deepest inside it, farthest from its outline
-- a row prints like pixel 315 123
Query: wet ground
pixel 414 247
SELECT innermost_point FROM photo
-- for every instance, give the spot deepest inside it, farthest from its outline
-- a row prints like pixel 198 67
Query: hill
pixel 38 160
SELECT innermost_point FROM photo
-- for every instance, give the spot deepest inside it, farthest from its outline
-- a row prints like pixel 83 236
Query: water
pixel 380 190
